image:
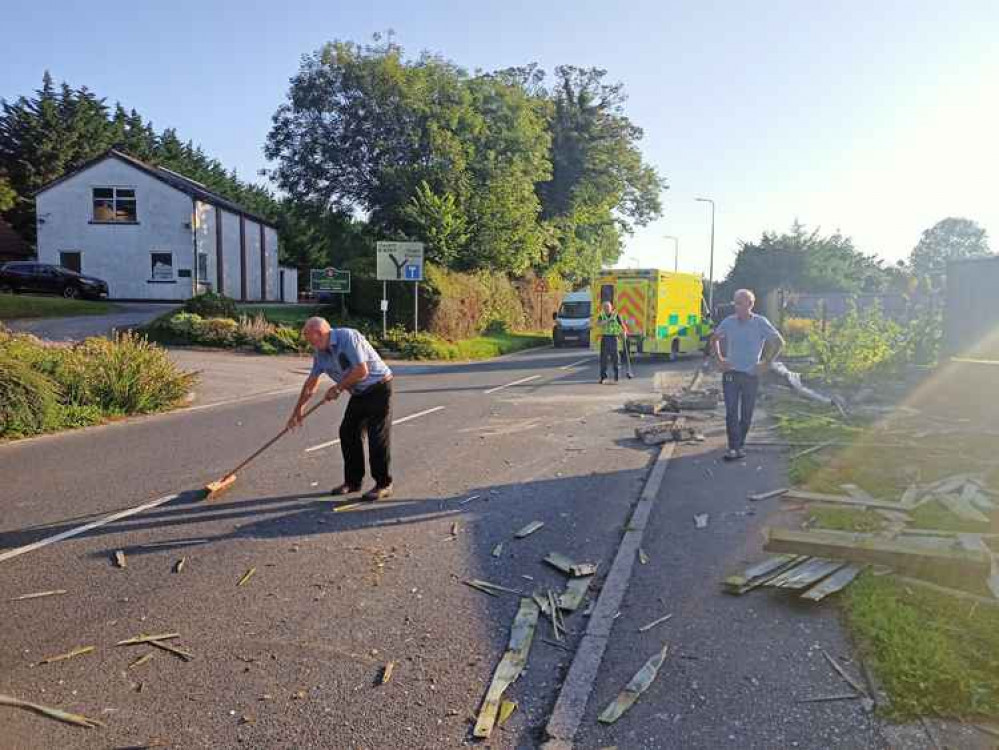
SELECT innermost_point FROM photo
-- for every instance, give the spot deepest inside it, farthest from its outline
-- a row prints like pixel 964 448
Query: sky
pixel 875 119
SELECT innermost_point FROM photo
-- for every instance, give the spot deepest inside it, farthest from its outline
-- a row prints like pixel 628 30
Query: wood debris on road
pixel 635 687
pixel 38 595
pixel 79 651
pixel 529 529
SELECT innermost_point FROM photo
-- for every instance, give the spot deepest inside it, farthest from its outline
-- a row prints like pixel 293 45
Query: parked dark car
pixel 44 278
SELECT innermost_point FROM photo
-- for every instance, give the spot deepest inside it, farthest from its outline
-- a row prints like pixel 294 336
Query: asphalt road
pixel 292 658
pixel 77 328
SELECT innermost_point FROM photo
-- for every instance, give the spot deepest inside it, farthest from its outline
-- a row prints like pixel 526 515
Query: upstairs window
pixel 113 204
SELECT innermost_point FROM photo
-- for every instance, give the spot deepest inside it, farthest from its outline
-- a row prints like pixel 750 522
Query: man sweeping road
pixel 355 367
pixel 744 344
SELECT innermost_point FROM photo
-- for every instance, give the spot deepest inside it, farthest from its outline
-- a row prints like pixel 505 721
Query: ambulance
pixel 664 310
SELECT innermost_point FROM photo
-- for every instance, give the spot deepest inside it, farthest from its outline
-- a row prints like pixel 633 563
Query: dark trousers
pixel 740 400
pixel 609 355
pixel 371 411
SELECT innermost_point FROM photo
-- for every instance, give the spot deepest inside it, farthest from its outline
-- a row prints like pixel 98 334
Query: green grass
pixel 485 347
pixel 934 654
pixel 26 306
pixel 845 519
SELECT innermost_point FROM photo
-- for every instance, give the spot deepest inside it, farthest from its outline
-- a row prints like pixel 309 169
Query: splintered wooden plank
pixel 510 666
pixel 635 687
pixel 910 497
pixel 529 529
pixel 760 573
pixel 777 580
pixel 962 508
pixel 575 592
pixel 52 713
pixel 814 570
pixel 819 497
pixel 937 563
pixel 756 496
pixel 836 582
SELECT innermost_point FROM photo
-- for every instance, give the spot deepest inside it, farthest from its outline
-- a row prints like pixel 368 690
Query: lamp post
pixel 676 251
pixel 711 262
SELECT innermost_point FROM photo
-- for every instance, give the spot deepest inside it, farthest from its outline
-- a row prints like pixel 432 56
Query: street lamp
pixel 711 262
pixel 676 251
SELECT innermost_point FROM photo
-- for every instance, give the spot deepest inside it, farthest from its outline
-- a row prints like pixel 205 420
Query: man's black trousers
pixel 371 411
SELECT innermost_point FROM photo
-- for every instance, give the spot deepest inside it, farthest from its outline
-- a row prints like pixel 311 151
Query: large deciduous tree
pixel 949 239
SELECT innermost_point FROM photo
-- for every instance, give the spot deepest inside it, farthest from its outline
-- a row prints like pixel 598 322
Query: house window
pixel 203 268
pixel 112 204
pixel 70 260
pixel 162 266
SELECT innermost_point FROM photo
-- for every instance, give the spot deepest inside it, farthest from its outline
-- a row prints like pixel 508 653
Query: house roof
pixel 174 179
pixel 12 247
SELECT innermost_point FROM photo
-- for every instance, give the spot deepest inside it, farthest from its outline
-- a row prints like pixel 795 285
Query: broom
pixel 221 485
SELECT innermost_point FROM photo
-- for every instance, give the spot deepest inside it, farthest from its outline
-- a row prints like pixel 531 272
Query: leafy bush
pixel 28 399
pixel 39 355
pixel 415 345
pixel 126 375
pixel 798 329
pixel 285 339
pixel 184 324
pixel 858 345
pixel 265 347
pixel 212 305
pixel 497 327
pixel 217 332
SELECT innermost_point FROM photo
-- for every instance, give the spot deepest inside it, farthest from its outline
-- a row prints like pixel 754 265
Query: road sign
pixel 329 280
pixel 400 261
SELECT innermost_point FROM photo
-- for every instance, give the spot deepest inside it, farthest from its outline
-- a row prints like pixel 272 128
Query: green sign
pixel 330 280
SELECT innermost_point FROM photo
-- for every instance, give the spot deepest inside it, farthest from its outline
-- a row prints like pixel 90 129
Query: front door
pixel 70 260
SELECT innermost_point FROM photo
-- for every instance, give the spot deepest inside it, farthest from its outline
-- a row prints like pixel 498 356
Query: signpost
pixel 400 261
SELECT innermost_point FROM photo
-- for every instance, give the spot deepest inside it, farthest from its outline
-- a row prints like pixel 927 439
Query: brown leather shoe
pixel 345 489
pixel 377 493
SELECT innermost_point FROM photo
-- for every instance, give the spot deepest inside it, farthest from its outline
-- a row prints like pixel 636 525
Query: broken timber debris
pixel 529 529
pixel 506 710
pixel 567 566
pixel 635 687
pixel 246 577
pixel 79 651
pixel 701 521
pixel 652 405
pixel 38 595
pixel 498 550
pixel 491 588
pixel 119 559
pixel 819 497
pixel 141 660
pixel 52 713
pixel 664 432
pixel 181 654
pixel 836 582
pixel 387 673
pixel 179 565
pixel 808 573
pixel 756 496
pixel 646 628
pixel 793 379
pixel 575 592
pixel 935 562
pixel 142 638
pixel 760 573
pixel 510 666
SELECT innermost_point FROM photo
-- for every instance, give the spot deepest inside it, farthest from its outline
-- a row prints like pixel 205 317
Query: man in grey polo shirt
pixel 744 344
pixel 355 367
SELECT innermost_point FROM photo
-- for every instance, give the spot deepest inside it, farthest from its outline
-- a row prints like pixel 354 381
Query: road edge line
pixel 573 696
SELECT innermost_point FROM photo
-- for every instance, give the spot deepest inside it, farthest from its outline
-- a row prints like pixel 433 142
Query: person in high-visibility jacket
pixel 612 327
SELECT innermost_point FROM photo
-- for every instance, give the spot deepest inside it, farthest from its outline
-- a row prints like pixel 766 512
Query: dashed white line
pixel 515 382
pixel 394 422
pixel 69 533
pixel 574 364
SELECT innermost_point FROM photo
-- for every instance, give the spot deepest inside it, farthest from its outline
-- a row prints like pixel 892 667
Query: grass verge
pixel 14 306
pixel 485 347
pixel 935 654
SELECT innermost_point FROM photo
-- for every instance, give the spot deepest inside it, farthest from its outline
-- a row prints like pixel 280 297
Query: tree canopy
pixel 805 261
pixel 491 170
pixel 948 239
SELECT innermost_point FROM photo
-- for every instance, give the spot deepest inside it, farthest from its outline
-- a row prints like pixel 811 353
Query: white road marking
pixel 515 382
pixel 241 399
pixel 69 533
pixel 574 364
pixel 394 422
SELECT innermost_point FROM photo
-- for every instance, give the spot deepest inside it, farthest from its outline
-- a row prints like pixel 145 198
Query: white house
pixel 153 234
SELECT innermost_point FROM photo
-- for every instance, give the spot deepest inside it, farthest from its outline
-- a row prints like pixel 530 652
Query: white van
pixel 572 321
